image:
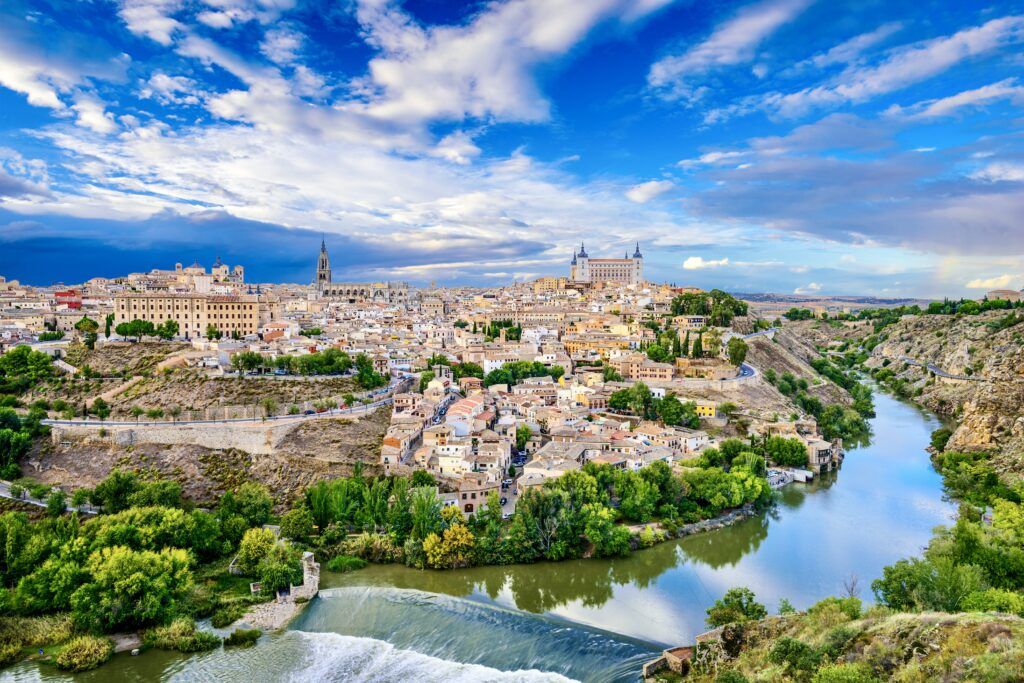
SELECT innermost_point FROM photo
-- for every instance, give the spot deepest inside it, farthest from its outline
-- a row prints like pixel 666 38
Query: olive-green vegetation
pixel 719 306
pixel 149 562
pixel 838 641
pixel 326 362
pixel 638 400
pixel 84 653
pixel 834 420
pixel 392 519
pixel 512 373
pixel 243 637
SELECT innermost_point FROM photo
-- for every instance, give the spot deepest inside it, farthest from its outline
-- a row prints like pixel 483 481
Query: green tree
pixel 168 330
pixel 523 434
pixel 697 350
pixel 255 545
pixel 736 606
pixel 297 524
pixel 280 568
pixel 114 491
pixel 100 408
pixel 108 322
pixel 737 349
pixel 56 503
pixel 129 589
pixel 608 538
pixel 212 332
pixel 252 501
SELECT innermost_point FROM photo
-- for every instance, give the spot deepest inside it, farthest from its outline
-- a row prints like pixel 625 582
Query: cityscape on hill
pixel 511 341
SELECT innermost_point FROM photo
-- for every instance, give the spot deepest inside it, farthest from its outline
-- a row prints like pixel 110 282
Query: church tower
pixel 323 268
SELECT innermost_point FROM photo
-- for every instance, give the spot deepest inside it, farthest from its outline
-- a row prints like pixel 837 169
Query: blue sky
pixel 861 147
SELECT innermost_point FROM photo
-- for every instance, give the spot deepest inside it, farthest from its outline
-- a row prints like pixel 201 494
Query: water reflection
pixel 820 533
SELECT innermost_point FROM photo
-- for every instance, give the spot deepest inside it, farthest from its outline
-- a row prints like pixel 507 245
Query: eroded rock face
pixel 989 414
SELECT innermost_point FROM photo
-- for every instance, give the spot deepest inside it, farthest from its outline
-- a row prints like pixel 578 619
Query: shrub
pixel 345 563
pixel 84 653
pixel 849 606
pixel 243 637
pixel 795 655
pixel 256 545
pixel 9 653
pixel 180 635
pixel 737 605
pixel 730 676
pixel 995 600
pixel 297 524
pixel 837 641
pixel 227 615
pixel 844 673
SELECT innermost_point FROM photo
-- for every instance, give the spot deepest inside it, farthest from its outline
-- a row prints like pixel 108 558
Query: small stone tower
pixel 323 268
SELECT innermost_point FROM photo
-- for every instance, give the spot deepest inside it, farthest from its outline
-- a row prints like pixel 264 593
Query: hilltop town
pixel 487 389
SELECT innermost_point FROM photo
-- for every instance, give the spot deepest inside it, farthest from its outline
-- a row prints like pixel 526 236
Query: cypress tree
pixel 698 347
pixel 686 344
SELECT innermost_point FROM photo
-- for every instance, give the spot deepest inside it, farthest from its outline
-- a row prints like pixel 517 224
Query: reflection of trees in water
pixel 555 585
pixel 726 546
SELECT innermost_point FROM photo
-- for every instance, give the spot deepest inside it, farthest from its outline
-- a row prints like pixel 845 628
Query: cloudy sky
pixel 840 146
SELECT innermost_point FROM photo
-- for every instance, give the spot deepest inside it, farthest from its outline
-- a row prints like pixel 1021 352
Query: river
pixel 590 620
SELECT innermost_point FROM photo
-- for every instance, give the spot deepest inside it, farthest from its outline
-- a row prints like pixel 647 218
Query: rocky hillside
pixel 123 358
pixel 827 645
pixel 791 352
pixel 314 450
pixel 988 408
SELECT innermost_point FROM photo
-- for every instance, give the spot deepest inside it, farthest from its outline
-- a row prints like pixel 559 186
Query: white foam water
pixel 334 657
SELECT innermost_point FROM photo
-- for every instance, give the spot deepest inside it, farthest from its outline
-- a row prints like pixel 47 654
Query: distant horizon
pixel 755 145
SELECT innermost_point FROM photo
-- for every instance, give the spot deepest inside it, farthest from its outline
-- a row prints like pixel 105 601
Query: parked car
pixel 308 412
pixel 504 500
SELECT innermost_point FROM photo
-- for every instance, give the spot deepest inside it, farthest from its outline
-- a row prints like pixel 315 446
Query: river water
pixel 590 620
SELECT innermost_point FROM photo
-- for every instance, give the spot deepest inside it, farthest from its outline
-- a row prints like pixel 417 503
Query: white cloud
pixel 1000 172
pixel 711 158
pixel 698 263
pixel 903 67
pixel 91 114
pixel 458 147
pixel 152 19
pixel 281 45
pixel 849 51
pixel 171 89
pixel 1005 281
pixel 481 69
pixel 645 192
pixel 1007 89
pixel 733 42
pixel 809 288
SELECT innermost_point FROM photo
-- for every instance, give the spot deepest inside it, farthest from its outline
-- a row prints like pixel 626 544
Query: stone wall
pixel 260 438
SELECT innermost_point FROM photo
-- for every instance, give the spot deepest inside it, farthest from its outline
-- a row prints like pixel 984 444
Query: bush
pixel 227 614
pixel 851 607
pixel 180 635
pixel 345 563
pixel 9 653
pixel 795 655
pixel 243 637
pixel 995 600
pixel 737 605
pixel 84 653
pixel 297 524
pixel 256 545
pixel 730 676
pixel 844 673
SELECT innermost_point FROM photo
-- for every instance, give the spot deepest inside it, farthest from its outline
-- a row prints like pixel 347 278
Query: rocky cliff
pixel 984 396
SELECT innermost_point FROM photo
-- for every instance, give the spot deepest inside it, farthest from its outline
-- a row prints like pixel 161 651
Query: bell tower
pixel 323 268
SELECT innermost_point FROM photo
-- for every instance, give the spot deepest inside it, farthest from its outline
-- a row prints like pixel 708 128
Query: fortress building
pixel 621 271
pixel 356 292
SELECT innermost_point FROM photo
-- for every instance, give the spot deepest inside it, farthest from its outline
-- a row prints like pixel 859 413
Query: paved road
pixel 931 367
pixel 5 492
